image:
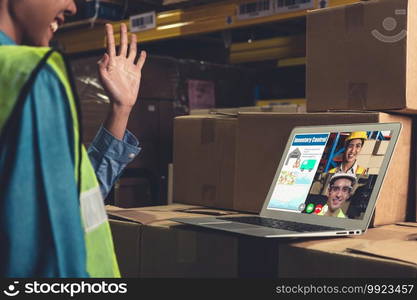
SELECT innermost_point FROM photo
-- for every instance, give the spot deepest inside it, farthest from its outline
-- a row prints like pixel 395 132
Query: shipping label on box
pixel 282 6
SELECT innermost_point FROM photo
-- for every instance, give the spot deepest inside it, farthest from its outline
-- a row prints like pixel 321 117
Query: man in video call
pixel 353 146
pixel 340 190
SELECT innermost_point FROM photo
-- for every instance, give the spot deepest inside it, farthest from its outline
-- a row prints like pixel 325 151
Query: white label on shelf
pixel 143 22
pixel 255 9
pixel 283 6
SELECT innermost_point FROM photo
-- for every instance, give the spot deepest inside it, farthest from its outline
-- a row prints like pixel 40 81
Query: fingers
pixel 109 59
pixel 123 40
pixel 104 62
pixel 141 60
pixel 111 50
pixel 133 47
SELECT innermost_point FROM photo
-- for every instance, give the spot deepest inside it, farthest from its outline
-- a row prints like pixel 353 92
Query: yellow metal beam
pixel 290 62
pixel 265 54
pixel 177 23
pixel 268 43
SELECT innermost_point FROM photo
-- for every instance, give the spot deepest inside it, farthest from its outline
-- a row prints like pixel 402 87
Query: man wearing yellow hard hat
pixel 353 146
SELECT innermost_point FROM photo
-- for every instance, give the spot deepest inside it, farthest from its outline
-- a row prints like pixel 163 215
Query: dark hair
pixel 348 141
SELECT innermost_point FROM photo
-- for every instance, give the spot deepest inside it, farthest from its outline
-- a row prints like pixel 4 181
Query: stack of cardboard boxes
pixel 245 153
pixel 169 87
pixel 356 73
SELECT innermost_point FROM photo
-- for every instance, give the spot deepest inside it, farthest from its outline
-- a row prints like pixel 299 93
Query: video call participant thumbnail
pixel 340 190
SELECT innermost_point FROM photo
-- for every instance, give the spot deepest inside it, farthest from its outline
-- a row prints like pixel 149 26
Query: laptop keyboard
pixel 278 224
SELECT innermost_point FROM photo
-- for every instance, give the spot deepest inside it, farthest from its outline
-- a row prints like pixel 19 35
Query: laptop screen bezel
pixel 394 128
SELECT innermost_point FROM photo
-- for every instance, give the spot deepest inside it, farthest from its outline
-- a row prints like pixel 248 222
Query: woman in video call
pixel 353 146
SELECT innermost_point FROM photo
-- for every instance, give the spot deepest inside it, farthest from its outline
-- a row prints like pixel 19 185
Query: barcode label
pixel 255 9
pixel 143 22
pixel 294 5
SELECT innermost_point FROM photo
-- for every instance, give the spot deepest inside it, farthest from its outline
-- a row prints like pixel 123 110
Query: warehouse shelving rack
pixel 178 23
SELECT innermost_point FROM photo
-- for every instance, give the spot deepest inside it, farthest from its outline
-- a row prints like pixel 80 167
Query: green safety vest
pixel 17 66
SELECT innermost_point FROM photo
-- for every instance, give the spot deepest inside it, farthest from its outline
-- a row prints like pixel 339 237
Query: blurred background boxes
pixel 361 56
pixel 148 245
pixel 205 155
pixel 204 160
pixel 169 88
pixel 372 255
pixel 375 161
pixel 363 160
pixel 368 147
pixel 381 147
pixel 133 192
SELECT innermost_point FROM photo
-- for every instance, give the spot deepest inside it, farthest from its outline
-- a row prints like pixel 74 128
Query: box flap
pixel 407 224
pixel 389 249
pixel 390 242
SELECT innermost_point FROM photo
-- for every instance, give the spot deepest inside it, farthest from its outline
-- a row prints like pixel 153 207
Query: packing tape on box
pixel 354 21
pixel 357 94
pixel 208 193
pixel 208 131
pixel 354 17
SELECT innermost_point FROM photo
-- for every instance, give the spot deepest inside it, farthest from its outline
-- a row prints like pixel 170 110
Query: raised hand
pixel 118 72
pixel 120 76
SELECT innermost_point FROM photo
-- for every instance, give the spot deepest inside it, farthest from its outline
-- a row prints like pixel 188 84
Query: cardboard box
pixel 261 140
pixel 126 226
pixel 173 250
pixel 375 161
pixel 204 160
pixel 196 84
pixel 361 57
pixel 389 251
pixel 151 121
pixel 381 148
pixel 148 245
pixel 373 171
pixel 363 160
pixel 368 147
pixel 133 192
pixel 235 110
pixel 413 189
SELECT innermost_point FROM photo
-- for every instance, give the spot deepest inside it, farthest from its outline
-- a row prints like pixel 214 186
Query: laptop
pixel 326 184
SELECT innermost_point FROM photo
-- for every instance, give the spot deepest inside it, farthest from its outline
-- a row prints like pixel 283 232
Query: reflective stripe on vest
pixel 21 60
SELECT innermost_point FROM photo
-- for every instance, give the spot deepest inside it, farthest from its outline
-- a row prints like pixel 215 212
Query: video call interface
pixel 330 174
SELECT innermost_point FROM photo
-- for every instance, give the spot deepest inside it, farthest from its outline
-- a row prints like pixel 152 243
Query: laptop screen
pixel 330 174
